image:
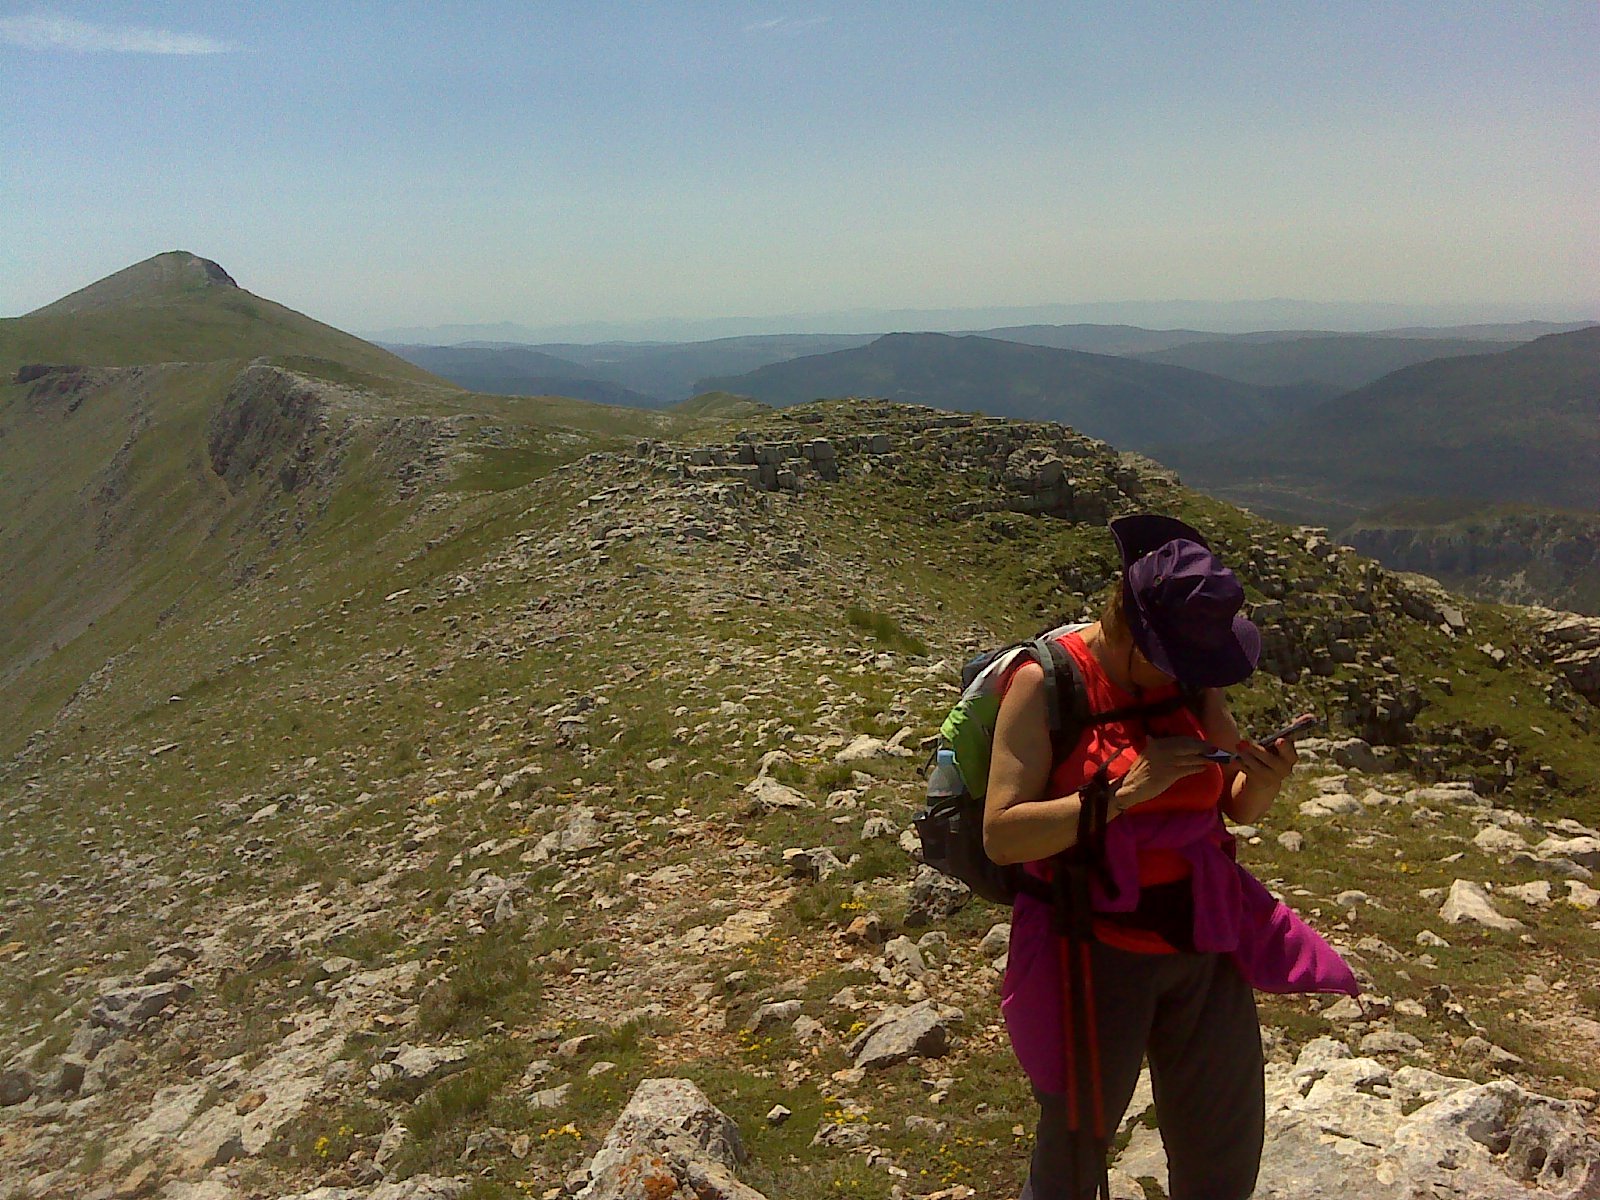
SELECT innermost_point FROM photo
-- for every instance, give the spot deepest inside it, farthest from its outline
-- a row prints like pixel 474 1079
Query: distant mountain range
pixel 1520 426
pixel 1121 400
pixel 1321 426
pixel 1319 363
pixel 520 371
pixel 652 374
pixel 1225 316
pixel 1338 362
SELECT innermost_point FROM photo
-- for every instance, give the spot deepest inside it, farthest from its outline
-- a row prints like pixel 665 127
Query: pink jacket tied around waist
pixel 1234 914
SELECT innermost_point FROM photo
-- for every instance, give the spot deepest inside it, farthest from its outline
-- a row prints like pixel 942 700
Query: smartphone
pixel 1301 724
pixel 1293 729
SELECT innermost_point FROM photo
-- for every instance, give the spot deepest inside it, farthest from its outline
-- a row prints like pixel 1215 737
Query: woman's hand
pixel 1165 761
pixel 1261 777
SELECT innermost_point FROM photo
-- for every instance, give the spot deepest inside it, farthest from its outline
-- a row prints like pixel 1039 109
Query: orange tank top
pixel 1119 743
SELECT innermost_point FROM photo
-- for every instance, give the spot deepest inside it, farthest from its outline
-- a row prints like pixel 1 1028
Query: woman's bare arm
pixel 1217 720
pixel 1019 826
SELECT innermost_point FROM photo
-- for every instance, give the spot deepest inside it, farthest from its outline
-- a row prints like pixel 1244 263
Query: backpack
pixel 951 825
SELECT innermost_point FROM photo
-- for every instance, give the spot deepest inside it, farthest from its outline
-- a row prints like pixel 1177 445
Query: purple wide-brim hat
pixel 1182 604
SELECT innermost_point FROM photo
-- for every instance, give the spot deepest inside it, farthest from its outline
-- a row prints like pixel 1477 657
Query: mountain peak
pixel 175 275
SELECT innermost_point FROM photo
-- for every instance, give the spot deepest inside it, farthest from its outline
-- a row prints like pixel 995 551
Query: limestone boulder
pixel 818 862
pixel 773 1014
pixel 669 1143
pixel 580 831
pixel 1355 755
pixel 1331 804
pixel 16 1085
pixel 409 1070
pixel 418 1187
pixel 767 794
pixel 1340 1126
pixel 123 1010
pixel 866 748
pixel 1497 841
pixel 1585 851
pixel 1468 904
pixel 920 1031
pixel 934 897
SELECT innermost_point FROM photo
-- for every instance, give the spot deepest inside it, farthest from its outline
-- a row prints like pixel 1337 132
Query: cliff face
pixel 268 416
pixel 1523 558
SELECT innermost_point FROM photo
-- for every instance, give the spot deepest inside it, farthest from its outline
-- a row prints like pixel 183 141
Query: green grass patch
pixel 324 1136
pixel 502 468
pixel 457 1099
pixel 490 979
pixel 885 629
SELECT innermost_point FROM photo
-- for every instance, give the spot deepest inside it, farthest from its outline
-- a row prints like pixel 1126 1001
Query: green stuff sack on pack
pixel 951 826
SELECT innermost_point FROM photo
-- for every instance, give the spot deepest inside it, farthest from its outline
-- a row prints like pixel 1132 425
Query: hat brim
pixel 1219 665
pixel 1136 536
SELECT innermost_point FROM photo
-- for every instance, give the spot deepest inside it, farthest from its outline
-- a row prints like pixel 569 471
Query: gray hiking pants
pixel 1195 1017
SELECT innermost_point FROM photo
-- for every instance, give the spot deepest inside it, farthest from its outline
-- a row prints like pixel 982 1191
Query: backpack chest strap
pixel 1157 708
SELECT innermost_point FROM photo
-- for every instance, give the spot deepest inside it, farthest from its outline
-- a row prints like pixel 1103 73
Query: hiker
pixel 1177 933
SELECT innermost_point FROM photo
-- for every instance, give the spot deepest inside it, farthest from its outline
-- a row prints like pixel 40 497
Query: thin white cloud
pixel 41 32
pixel 786 25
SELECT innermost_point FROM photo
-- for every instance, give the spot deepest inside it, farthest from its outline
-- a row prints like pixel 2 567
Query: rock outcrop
pixel 272 422
pixel 1571 644
pixel 669 1143
pixel 1550 558
pixel 1342 1126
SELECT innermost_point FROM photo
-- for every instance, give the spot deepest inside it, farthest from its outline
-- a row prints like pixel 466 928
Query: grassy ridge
pixel 368 692
pixel 117 522
pixel 723 405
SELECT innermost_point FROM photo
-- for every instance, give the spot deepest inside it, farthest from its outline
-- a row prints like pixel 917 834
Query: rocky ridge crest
pixel 666 838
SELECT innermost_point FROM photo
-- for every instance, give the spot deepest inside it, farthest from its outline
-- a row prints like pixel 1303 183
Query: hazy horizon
pixel 1236 317
pixel 633 167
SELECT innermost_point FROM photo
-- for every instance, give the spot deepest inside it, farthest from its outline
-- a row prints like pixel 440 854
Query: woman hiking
pixel 1169 935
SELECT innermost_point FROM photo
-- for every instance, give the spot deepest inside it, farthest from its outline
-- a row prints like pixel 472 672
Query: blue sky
pixel 543 162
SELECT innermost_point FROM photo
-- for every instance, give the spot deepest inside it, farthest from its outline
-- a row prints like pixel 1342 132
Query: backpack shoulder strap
pixel 1065 696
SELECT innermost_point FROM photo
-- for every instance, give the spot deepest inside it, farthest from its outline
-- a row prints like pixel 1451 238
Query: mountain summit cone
pixel 175 275
pixel 180 308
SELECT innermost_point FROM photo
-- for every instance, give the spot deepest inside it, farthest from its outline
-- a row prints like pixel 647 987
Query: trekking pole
pixel 1073 921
